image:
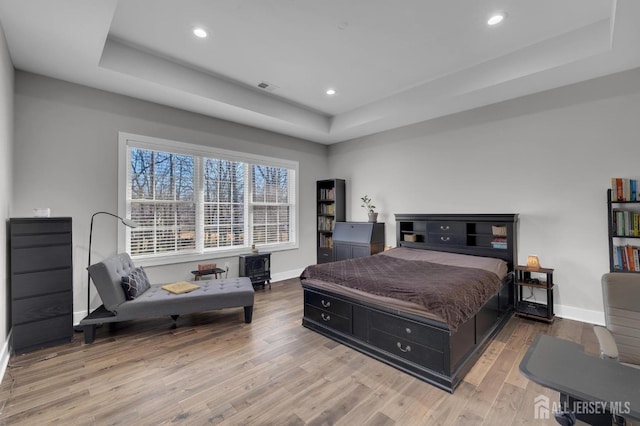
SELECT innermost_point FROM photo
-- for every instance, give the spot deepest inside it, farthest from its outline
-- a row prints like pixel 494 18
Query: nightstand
pixel 541 278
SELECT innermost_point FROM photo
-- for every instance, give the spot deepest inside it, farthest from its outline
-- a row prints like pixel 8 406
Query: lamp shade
pixel 533 263
pixel 129 223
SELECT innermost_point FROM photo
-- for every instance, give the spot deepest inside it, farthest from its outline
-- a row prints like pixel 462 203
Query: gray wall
pixel 6 144
pixel 548 157
pixel 66 159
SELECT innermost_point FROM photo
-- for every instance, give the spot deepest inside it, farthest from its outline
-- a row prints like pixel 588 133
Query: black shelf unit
pixel 614 206
pixel 535 279
pixel 330 208
pixel 41 273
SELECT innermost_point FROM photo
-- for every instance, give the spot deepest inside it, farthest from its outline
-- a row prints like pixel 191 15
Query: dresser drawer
pixel 447 239
pixel 330 319
pixel 40 258
pixel 447 228
pixel 407 330
pixel 328 304
pixel 41 282
pixel 408 350
pixel 42 333
pixel 42 307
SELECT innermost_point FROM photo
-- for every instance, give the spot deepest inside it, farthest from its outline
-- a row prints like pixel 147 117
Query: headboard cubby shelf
pixel 491 235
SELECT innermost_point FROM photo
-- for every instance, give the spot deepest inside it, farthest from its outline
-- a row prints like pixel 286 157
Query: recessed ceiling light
pixel 200 32
pixel 331 92
pixel 496 18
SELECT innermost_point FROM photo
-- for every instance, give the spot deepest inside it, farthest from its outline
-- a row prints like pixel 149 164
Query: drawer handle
pixel 408 330
pixel 444 238
pixel 325 304
pixel 326 317
pixel 406 349
pixel 444 227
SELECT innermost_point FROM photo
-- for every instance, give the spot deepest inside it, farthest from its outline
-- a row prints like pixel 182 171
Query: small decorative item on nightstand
pixel 540 278
pixel 533 263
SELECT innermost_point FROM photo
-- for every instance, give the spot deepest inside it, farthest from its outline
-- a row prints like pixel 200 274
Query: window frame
pixel 126 140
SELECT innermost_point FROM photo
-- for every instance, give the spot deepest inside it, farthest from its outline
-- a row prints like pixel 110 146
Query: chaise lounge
pixel 155 301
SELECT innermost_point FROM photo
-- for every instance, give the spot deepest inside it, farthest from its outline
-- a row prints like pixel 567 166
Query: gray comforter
pixel 453 293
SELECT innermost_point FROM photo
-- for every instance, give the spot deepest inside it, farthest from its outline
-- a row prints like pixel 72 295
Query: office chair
pixel 620 340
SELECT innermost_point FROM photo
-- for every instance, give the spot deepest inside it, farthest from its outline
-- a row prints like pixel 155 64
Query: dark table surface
pixel 208 272
pixel 564 366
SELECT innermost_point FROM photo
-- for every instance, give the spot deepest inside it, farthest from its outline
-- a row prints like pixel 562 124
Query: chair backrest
pixel 107 277
pixel 621 293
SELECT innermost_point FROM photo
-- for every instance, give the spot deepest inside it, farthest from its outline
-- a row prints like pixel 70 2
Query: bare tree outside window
pixel 270 204
pixel 192 203
pixel 162 202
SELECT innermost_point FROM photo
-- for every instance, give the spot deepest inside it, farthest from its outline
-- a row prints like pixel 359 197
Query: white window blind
pixel 162 202
pixel 224 203
pixel 190 200
pixel 271 189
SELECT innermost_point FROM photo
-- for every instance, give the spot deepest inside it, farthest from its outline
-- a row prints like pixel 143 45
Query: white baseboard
pixel 5 355
pixel 280 276
pixel 579 314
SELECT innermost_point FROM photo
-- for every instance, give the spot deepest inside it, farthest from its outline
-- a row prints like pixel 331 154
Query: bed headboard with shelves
pixel 490 235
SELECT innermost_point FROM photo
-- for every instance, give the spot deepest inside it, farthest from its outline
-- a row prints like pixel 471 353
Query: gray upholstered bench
pixel 155 302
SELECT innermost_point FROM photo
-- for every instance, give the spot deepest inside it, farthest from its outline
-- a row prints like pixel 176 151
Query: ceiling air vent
pixel 267 86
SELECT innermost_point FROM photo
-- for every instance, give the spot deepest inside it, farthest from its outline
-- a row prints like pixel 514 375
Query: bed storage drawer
pixel 328 304
pixel 328 319
pixel 409 350
pixel 407 330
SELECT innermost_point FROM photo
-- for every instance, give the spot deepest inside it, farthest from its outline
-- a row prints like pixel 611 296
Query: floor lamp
pixel 125 222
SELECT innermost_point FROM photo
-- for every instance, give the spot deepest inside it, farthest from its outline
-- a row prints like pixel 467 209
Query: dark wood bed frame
pixel 423 347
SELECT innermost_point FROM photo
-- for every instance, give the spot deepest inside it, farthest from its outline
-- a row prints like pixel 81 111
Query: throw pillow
pixel 135 283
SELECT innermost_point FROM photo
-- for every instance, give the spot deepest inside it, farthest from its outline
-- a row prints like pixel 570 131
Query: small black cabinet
pixel 41 272
pixel 256 266
pixel 352 240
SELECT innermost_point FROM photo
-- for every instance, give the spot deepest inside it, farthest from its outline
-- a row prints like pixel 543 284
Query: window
pixel 190 200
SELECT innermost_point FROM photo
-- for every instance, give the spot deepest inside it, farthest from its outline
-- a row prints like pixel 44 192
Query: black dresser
pixel 357 239
pixel 41 272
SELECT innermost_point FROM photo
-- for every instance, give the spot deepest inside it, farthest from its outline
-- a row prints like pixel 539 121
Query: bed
pixel 428 307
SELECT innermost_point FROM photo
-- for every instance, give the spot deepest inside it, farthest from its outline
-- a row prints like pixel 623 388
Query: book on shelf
pixel 626 223
pixel 626 258
pixel 326 241
pixel 327 209
pixel 325 223
pixel 499 242
pixel 327 193
pixel 624 189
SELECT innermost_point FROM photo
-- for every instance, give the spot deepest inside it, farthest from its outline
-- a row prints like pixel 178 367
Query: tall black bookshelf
pixel 624 234
pixel 330 208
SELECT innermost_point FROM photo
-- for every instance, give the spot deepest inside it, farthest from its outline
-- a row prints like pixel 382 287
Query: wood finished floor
pixel 212 368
